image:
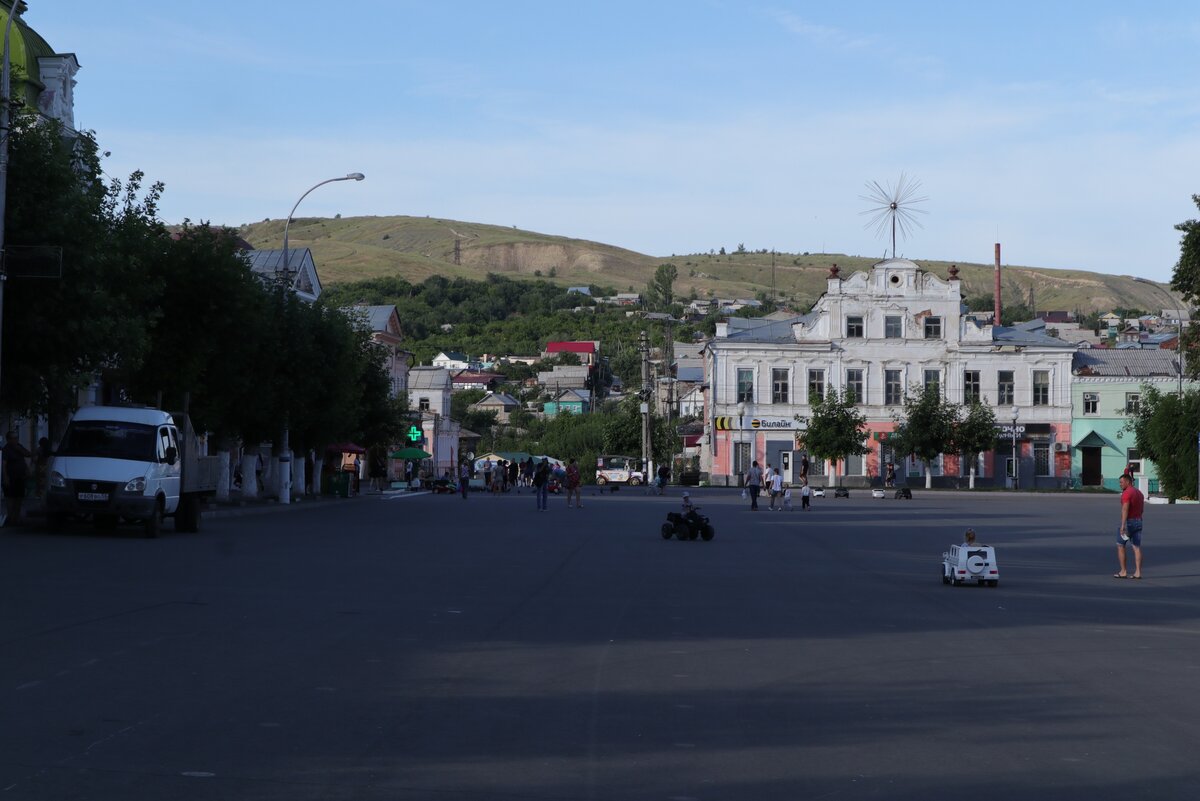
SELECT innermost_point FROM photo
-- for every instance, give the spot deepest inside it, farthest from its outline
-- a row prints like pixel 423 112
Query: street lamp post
pixel 1016 413
pixel 285 454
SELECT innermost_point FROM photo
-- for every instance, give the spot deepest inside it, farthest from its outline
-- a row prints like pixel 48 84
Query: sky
pixel 1068 132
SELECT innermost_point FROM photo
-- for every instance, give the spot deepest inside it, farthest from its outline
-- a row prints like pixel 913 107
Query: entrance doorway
pixel 1091 476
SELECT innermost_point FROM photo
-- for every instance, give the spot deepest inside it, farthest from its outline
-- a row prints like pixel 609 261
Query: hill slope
pixel 353 248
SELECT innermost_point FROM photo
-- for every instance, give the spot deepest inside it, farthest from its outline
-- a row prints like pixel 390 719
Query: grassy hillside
pixel 353 248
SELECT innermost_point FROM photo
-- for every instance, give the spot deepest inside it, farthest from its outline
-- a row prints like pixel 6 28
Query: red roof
pixel 571 347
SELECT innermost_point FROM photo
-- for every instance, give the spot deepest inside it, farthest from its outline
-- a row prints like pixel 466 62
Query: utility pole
pixel 5 131
pixel 646 393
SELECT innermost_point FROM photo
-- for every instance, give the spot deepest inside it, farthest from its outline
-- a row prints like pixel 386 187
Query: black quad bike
pixel 687 526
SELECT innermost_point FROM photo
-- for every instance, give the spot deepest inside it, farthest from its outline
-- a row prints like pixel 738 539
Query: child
pixel 969 537
pixel 688 506
pixel 787 499
pixel 805 493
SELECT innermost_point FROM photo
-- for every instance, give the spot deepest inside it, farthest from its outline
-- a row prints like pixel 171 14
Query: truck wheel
pixel 153 523
pixel 601 480
pixel 188 517
pixel 634 481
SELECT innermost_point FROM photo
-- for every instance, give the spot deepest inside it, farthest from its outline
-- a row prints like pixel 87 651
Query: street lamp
pixel 285 454
pixel 1016 413
pixel 741 410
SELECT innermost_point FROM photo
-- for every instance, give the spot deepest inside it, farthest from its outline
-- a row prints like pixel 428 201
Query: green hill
pixel 353 248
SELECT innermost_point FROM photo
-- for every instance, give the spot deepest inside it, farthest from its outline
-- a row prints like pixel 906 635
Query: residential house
pixel 569 401
pixel 429 390
pixel 1105 393
pixel 299 274
pixel 882 334
pixel 384 324
pixel 473 379
pixel 563 376
pixel 588 351
pixel 452 360
pixel 501 403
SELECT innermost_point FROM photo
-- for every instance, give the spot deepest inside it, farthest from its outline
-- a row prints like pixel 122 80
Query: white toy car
pixel 818 492
pixel 877 493
pixel 963 563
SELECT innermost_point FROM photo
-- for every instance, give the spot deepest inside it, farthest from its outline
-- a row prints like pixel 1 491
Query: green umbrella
pixel 410 453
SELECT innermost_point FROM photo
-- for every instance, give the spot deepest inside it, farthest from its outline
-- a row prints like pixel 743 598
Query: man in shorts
pixel 1132 502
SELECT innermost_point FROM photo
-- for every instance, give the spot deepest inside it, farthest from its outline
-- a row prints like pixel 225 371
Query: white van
pixel 129 463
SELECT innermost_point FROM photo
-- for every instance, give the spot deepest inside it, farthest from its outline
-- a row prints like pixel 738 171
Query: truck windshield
pixel 109 440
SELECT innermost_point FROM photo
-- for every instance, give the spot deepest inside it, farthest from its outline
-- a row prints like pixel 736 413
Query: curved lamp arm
pixel 354 176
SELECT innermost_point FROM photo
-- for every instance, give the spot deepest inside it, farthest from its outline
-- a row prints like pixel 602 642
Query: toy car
pixel 818 492
pixel 964 563
pixel 687 526
pixel 877 493
pixel 841 492
pixel 904 492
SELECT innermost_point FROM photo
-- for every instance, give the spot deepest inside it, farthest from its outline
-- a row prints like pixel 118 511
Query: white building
pixel 881 334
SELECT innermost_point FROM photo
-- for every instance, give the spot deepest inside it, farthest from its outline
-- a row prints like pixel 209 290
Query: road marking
pixel 29 684
pixel 197 774
pixel 405 495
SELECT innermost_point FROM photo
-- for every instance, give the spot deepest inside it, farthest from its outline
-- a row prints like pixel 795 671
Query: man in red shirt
pixel 1132 503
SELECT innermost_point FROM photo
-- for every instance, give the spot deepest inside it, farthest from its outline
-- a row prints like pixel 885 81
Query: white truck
pixel 969 562
pixel 130 463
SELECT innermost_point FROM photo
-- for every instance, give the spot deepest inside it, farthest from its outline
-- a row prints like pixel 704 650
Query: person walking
pixel 573 482
pixel 805 494
pixel 464 479
pixel 664 475
pixel 541 484
pixel 1130 533
pixel 14 471
pixel 754 480
pixel 776 489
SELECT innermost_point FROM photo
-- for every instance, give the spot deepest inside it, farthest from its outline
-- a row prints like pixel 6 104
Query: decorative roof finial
pixel 953 272
pixel 833 271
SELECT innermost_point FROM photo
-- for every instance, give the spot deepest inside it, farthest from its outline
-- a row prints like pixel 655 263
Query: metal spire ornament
pixel 893 207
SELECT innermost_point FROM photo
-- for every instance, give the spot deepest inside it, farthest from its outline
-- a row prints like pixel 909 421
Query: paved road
pixel 432 648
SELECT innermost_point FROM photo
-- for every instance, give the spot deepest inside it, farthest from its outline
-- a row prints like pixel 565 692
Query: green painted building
pixel 1106 391
pixel 41 77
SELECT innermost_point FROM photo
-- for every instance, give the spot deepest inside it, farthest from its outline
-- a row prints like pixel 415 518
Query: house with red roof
pixel 588 351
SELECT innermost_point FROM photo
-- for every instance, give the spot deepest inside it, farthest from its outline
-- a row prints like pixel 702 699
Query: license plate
pixel 93 496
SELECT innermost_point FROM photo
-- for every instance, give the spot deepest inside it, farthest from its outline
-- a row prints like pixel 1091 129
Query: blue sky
pixel 1067 132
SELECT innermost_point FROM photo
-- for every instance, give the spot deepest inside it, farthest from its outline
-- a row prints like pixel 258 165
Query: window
pixel 1041 458
pixel 892 328
pixel 1135 461
pixel 1041 387
pixel 779 385
pixel 933 378
pixel 1004 394
pixel 854 384
pixel 893 389
pixel 816 386
pixel 972 388
pixel 1133 402
pixel 423 404
pixel 745 385
pixel 855 328
pixel 1091 403
pixel 933 327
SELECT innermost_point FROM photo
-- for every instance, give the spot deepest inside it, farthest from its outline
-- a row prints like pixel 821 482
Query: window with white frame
pixel 933 379
pixel 779 385
pixel 816 386
pixel 1091 403
pixel 855 329
pixel 745 385
pixel 1041 387
pixel 933 327
pixel 854 384
pixel 1135 460
pixel 423 404
pixel 1133 402
pixel 893 388
pixel 893 327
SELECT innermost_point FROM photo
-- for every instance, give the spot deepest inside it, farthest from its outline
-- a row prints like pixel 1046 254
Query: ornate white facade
pixel 881 333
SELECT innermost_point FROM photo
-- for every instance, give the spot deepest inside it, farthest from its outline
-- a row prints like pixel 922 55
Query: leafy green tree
pixel 837 428
pixel 975 434
pixel 1165 430
pixel 1186 281
pixel 660 292
pixel 927 425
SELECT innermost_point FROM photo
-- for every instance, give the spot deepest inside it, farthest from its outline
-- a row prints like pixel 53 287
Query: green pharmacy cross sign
pixel 414 434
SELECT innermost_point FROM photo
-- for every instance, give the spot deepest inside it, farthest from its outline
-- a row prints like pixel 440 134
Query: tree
pixel 1165 430
pixel 927 426
pixel 660 292
pixel 1186 281
pixel 975 434
pixel 837 428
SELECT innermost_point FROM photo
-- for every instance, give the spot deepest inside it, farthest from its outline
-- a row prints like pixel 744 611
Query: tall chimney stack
pixel 996 318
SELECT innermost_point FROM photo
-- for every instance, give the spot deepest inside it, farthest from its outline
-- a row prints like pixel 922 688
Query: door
pixel 1091 467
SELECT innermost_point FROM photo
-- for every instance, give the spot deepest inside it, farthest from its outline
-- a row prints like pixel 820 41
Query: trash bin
pixel 339 484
